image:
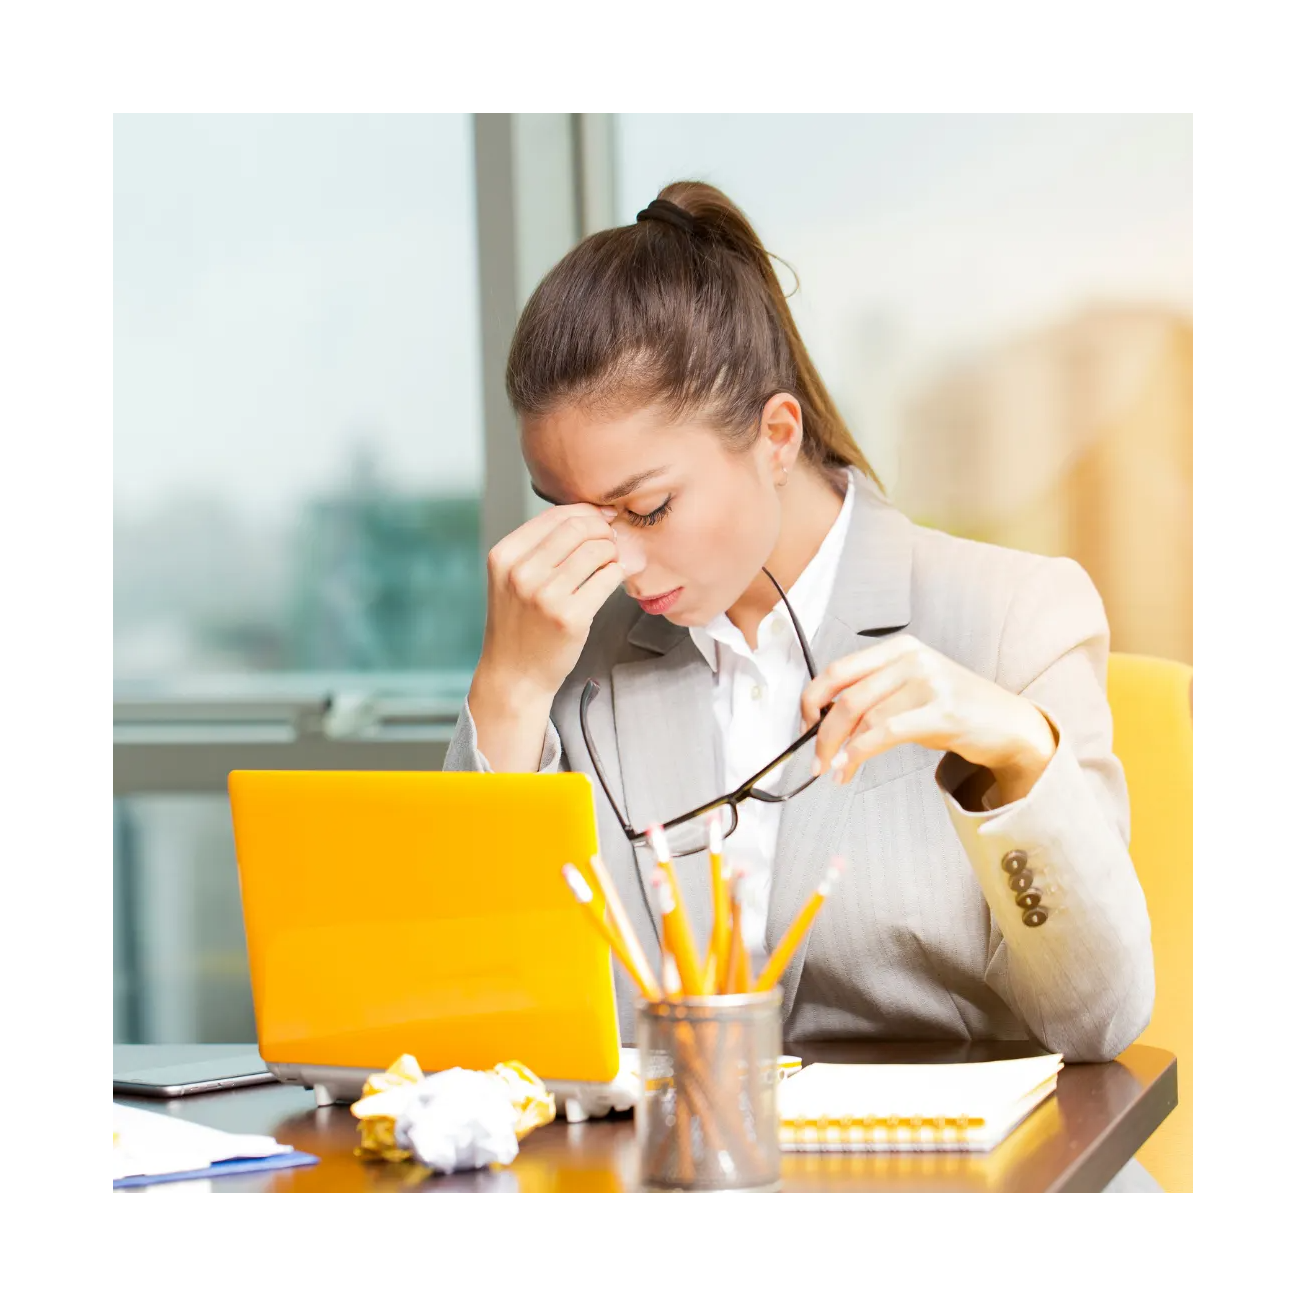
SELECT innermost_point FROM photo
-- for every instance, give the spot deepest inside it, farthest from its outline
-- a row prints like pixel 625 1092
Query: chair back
pixel 1151 706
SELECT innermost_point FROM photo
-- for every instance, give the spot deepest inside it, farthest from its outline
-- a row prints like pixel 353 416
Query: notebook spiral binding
pixel 826 1133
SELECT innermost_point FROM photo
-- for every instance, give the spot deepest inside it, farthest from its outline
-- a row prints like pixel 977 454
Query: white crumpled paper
pixel 456 1119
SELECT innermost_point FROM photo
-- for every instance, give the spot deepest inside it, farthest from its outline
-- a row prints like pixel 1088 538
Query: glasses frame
pixel 736 796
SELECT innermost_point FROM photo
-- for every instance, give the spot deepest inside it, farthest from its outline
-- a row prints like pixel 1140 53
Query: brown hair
pixel 691 321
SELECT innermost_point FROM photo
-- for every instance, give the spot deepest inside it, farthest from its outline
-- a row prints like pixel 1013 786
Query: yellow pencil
pixel 644 972
pixel 671 977
pixel 737 977
pixel 720 944
pixel 584 895
pixel 675 922
pixel 793 936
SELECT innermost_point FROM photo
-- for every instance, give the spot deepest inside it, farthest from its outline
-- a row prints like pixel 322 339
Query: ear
pixel 781 433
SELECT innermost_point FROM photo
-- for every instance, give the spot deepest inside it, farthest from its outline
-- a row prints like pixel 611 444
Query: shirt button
pixel 1015 861
pixel 1035 917
pixel 757 691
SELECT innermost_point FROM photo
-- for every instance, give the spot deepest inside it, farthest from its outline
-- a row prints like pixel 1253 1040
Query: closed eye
pixel 651 518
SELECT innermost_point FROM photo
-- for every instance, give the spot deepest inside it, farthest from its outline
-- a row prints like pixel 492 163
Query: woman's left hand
pixel 902 691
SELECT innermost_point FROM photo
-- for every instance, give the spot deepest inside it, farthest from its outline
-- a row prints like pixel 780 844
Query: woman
pixel 700 471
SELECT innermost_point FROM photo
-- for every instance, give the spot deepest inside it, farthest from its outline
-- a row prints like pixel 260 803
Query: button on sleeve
pixel 1015 861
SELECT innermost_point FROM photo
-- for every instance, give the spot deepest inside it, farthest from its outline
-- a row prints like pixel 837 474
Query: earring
pixel 784 479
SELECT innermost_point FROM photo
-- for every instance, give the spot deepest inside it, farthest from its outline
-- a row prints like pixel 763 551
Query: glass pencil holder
pixel 706 1118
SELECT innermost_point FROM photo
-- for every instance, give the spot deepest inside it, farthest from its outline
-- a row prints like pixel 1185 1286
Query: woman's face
pixel 696 522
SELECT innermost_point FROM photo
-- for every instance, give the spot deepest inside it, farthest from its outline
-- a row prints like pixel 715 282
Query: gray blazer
pixel 923 937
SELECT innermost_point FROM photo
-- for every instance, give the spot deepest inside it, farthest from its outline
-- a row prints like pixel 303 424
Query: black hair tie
pixel 666 211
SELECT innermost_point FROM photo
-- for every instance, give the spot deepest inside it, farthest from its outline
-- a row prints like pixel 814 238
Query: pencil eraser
pixel 576 882
pixel 714 835
pixel 661 886
pixel 831 875
pixel 657 838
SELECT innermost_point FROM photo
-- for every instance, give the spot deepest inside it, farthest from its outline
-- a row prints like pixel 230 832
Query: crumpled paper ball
pixel 455 1120
pixel 458 1120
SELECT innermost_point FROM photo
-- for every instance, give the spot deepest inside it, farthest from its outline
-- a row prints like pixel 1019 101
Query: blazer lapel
pixel 871 601
pixel 666 743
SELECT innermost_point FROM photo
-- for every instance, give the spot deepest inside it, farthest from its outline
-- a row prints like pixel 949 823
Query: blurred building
pixel 1076 440
pixel 386 581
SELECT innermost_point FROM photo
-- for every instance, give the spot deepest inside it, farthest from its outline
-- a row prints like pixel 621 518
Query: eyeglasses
pixel 688 834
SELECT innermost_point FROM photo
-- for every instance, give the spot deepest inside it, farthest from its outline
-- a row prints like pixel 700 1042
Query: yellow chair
pixel 1152 706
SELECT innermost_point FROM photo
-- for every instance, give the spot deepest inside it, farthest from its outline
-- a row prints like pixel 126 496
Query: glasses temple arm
pixel 798 628
pixel 586 696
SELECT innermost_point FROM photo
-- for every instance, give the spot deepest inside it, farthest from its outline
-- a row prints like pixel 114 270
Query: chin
pixel 688 617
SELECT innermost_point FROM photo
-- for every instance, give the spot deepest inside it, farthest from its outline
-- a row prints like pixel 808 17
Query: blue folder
pixel 240 1165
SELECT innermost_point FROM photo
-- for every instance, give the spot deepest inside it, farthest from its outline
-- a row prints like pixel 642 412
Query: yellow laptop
pixel 424 912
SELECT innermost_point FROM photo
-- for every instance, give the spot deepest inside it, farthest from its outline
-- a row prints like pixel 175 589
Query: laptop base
pixel 578 1100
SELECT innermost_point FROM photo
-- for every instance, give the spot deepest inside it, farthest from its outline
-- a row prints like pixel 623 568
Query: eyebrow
pixel 628 486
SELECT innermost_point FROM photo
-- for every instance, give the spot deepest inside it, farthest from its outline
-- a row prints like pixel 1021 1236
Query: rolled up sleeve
pixel 463 754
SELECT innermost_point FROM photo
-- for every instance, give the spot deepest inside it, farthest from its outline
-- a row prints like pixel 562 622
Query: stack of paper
pixel 960 1106
pixel 150 1145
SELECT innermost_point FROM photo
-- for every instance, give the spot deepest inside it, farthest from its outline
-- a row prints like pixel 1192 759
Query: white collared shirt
pixel 756 704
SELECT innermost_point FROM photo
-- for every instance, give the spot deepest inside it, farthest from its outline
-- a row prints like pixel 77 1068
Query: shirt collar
pixel 809 596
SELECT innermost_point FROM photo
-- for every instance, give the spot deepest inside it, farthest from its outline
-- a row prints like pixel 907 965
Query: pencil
pixel 584 895
pixel 736 977
pixel 670 976
pixel 793 936
pixel 675 924
pixel 720 944
pixel 641 968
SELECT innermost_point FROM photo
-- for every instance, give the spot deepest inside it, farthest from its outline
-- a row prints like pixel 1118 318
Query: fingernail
pixel 609 513
pixel 816 766
pixel 840 760
pixel 837 773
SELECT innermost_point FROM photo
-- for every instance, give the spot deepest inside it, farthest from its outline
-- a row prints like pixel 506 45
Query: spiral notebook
pixel 967 1106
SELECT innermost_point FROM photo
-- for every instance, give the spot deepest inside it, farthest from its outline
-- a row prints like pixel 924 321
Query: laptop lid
pixel 424 912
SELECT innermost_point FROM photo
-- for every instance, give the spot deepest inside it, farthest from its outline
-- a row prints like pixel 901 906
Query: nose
pixel 630 552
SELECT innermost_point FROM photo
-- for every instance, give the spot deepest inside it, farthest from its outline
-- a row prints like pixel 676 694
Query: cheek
pixel 699 546
pixel 715 553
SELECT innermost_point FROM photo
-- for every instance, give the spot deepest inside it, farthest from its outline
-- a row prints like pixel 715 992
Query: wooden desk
pixel 1073 1142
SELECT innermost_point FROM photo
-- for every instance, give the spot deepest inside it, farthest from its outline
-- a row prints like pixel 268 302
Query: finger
pixel 914 724
pixel 527 537
pixel 845 716
pixel 593 594
pixel 537 569
pixel 846 670
pixel 576 569
pixel 891 722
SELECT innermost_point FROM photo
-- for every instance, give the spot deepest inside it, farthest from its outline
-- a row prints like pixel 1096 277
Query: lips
pixel 658 603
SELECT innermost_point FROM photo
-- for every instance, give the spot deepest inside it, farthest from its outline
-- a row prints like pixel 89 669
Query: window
pixel 297 489
pixel 297 399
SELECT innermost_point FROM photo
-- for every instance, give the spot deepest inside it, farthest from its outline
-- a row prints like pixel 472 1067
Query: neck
pixel 810 505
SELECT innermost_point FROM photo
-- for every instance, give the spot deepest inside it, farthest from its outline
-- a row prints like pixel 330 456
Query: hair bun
pixel 665 211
